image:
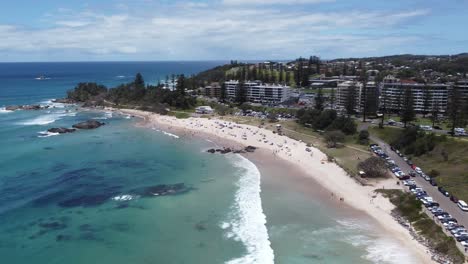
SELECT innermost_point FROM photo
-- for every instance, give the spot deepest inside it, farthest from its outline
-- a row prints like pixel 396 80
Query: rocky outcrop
pixel 250 149
pixel 229 150
pixel 90 124
pixel 64 101
pixel 61 130
pixel 25 107
pixel 162 190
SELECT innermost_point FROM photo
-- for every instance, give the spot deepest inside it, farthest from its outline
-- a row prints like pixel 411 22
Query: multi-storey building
pixel 212 90
pixel 425 96
pixel 363 96
pixel 256 92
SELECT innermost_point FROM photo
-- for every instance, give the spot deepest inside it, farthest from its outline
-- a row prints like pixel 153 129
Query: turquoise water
pixel 83 198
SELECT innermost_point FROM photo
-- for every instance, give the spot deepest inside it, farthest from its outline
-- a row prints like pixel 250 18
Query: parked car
pixel 464 243
pixel 409 162
pixel 443 191
pixel 453 199
pixel 433 182
pixel 462 205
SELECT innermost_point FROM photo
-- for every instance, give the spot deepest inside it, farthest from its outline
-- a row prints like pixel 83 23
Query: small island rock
pixel 90 124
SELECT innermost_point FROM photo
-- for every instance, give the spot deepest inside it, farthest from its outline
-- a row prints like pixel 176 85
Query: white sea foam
pixel 378 249
pixel 50 103
pixel 165 133
pixel 48 118
pixel 125 197
pixel 4 111
pixel 120 76
pixel 247 223
pixel 44 134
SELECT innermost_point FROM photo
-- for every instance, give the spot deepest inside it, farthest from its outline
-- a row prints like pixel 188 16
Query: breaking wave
pixel 247 222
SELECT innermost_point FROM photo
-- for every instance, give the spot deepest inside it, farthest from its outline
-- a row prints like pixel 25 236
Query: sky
pixel 156 30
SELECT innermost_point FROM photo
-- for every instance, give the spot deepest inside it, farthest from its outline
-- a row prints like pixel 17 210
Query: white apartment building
pixel 393 92
pixel 256 92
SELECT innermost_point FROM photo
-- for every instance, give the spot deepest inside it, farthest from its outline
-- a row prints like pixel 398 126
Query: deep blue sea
pixel 88 197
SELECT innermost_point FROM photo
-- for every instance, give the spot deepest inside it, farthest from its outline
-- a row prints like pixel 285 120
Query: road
pixel 445 203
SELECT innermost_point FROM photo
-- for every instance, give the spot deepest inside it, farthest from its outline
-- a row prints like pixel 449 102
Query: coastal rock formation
pixel 229 150
pixel 163 190
pixel 250 149
pixel 61 130
pixel 25 107
pixel 90 124
pixel 64 101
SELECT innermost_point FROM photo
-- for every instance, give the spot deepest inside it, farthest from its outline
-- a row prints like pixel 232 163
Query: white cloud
pixel 274 2
pixel 194 31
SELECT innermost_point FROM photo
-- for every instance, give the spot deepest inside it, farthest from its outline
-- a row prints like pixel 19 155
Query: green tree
pixel 454 109
pixel 180 87
pixel 222 95
pixel 408 113
pixel 319 100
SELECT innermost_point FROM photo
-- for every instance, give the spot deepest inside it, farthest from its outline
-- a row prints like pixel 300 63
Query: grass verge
pixel 410 208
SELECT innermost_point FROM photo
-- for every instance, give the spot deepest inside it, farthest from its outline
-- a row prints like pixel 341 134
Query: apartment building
pixel 363 95
pixel 212 90
pixel 393 92
pixel 257 92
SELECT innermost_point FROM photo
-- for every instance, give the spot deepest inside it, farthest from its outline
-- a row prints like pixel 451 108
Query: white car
pixel 464 243
pixel 418 170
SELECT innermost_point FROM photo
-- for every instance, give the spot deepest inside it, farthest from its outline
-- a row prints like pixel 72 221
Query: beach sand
pixel 312 165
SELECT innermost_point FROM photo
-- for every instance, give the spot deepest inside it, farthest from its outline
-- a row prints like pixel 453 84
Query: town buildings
pixel 257 92
pixel 426 97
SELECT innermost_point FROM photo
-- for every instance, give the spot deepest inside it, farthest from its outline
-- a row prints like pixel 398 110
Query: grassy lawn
pixel 411 209
pixel 453 171
pixel 347 157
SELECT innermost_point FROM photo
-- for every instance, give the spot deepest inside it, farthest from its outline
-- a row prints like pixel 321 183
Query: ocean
pixel 88 197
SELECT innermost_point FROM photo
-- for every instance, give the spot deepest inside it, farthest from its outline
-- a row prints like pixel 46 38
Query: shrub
pixel 374 167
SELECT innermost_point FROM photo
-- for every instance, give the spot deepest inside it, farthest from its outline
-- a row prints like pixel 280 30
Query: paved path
pixel 445 203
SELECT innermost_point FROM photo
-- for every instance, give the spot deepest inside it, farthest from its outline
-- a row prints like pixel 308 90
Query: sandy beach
pixel 309 162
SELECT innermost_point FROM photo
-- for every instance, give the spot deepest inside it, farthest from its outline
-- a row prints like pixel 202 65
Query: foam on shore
pixel 48 118
pixel 379 249
pixel 247 222
pixel 4 111
pixel 43 134
pixel 166 133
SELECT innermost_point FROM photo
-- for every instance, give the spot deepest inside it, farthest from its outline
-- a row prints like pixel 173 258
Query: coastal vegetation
pixel 135 94
pixel 444 158
pixel 326 120
pixel 408 207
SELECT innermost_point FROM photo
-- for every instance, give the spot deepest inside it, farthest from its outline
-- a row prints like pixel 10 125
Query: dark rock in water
pixel 250 149
pixel 200 226
pixel 162 190
pixel 212 151
pixel 75 174
pixel 225 151
pixel 87 228
pixel 90 124
pixel 88 236
pixel 122 206
pixel 62 238
pixel 24 107
pixel 48 148
pixel 53 225
pixel 49 198
pixel 87 200
pixel 61 130
pixel 239 151
pixel 120 227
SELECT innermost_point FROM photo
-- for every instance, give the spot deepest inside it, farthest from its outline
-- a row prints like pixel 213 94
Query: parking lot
pixel 439 206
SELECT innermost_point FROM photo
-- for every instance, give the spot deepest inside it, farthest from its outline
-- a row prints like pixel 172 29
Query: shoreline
pixel 311 165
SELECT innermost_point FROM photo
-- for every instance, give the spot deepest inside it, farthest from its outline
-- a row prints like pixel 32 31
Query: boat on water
pixel 42 77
